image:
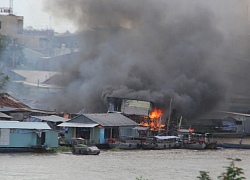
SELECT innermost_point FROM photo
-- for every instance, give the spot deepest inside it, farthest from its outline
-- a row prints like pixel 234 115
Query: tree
pixel 232 172
pixel 11 52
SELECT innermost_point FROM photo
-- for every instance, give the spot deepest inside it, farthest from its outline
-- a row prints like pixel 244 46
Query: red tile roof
pixel 9 101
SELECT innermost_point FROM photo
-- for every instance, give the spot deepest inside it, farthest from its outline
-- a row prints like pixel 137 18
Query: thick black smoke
pixel 145 49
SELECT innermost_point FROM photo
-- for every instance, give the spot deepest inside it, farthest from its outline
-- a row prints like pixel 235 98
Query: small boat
pixel 211 145
pixel 194 145
pixel 196 140
pixel 162 142
pixel 79 147
pixel 210 142
pixel 235 146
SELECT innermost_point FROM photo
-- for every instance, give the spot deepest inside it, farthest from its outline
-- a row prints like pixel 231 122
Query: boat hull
pixel 92 150
pixel 153 146
pixel 235 146
pixel 195 146
pixel 211 145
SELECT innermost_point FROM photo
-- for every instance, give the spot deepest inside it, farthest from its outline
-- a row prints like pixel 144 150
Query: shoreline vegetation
pixel 59 149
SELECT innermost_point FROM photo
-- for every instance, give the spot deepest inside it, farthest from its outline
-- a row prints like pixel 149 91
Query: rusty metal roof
pixel 51 118
pixel 9 101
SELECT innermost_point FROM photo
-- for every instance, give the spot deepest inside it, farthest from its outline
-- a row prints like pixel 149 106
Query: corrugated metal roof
pixel 111 119
pixel 36 77
pixel 38 111
pixel 69 124
pixel 235 113
pixel 141 128
pixel 2 115
pixel 10 109
pixel 52 118
pixel 9 101
pixel 7 109
pixel 41 85
pixel 24 125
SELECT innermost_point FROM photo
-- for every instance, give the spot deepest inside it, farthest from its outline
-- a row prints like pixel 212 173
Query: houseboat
pixel 162 142
pixel 26 136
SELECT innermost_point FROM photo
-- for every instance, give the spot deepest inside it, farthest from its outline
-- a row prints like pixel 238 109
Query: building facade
pixel 11 25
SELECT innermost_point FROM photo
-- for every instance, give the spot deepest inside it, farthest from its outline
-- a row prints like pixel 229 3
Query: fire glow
pixel 156 113
pixel 155 121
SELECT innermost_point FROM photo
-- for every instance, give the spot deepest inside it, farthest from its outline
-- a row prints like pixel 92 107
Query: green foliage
pixel 141 178
pixel 232 172
pixel 116 149
pixel 204 176
pixel 59 149
pixel 3 79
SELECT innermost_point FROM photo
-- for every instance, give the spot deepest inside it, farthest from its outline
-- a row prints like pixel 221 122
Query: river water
pixel 121 165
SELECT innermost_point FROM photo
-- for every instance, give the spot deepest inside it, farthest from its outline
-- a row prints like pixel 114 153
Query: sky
pixel 36 16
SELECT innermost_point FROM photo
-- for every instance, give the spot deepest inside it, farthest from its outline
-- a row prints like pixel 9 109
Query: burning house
pixel 141 111
pixel 146 51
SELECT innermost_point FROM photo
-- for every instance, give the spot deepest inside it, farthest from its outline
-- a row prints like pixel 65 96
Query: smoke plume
pixel 150 50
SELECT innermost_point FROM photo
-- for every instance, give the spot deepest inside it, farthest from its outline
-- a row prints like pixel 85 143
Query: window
pixel 238 122
pixel 0 25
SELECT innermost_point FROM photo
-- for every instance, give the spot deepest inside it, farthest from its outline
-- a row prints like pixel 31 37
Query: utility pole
pixel 11 7
pixel 169 117
pixel 247 22
pixel 159 128
pixel 7 9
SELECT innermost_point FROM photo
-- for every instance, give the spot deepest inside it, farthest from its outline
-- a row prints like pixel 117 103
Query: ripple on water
pixel 158 165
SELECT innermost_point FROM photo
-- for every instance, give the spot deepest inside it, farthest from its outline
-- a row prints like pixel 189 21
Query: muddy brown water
pixel 170 164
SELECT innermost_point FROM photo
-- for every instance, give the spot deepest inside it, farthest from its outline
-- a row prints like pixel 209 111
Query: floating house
pixel 130 107
pixel 25 136
pixel 223 124
pixel 98 128
pixel 18 111
pixel 51 120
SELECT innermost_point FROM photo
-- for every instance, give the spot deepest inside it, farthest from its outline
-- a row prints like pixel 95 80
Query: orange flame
pixel 190 130
pixel 154 123
pixel 66 116
pixel 156 113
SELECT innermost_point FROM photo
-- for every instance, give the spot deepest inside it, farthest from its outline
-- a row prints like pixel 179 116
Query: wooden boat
pixel 210 142
pixel 196 140
pixel 235 146
pixel 161 142
pixel 79 147
pixel 194 145
pixel 211 145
